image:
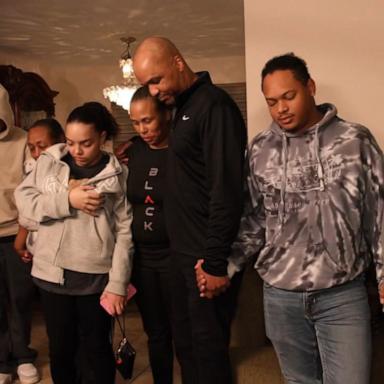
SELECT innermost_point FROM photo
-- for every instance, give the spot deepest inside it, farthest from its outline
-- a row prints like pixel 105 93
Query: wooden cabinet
pixel 30 96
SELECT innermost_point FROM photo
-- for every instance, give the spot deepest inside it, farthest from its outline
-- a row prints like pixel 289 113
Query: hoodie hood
pixel 6 113
pixel 106 181
pixel 328 111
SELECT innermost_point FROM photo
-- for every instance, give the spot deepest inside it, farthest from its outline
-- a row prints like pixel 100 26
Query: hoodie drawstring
pixel 283 181
pixel 320 169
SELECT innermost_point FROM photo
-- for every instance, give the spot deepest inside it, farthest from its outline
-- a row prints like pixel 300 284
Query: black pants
pixel 153 299
pixel 66 318
pixel 201 327
pixel 16 294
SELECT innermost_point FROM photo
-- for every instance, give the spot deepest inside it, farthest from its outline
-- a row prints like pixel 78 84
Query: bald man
pixel 203 205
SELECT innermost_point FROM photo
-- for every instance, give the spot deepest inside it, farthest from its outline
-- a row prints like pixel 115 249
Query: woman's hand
pixel 120 152
pixel 112 303
pixel 84 198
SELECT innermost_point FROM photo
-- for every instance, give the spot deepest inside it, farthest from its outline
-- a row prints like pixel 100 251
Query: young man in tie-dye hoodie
pixel 314 222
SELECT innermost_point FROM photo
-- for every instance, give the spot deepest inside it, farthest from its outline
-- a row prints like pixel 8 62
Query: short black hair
pixel 288 61
pixel 96 114
pixel 54 128
pixel 143 93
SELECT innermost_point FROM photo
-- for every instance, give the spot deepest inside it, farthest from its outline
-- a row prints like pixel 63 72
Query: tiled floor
pixel 254 360
pixel 252 365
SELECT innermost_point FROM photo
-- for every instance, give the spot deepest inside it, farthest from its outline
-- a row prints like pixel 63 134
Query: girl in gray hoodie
pixel 77 193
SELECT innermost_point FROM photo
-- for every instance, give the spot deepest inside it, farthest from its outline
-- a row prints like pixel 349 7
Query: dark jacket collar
pixel 202 78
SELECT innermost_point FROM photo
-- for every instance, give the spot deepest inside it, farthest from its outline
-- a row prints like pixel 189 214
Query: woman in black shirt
pixel 147 156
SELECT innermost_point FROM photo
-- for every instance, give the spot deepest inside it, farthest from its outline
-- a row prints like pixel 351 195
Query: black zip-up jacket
pixel 204 200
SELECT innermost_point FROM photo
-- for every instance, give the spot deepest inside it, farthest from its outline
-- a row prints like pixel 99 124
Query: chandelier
pixel 122 94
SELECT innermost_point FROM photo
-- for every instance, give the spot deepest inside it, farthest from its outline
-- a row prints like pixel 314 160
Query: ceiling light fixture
pixel 122 94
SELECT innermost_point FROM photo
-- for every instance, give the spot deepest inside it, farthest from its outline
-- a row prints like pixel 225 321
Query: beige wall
pixel 342 42
pixel 223 70
pixel 78 84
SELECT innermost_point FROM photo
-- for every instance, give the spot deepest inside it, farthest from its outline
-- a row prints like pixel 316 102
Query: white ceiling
pixel 84 31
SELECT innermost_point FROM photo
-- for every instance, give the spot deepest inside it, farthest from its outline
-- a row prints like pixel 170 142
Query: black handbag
pixel 125 354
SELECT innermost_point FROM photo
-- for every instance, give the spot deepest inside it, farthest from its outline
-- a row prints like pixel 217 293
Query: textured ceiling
pixel 84 31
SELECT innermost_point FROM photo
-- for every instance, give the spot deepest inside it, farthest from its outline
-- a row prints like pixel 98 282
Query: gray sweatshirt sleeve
pixel 41 197
pixel 373 217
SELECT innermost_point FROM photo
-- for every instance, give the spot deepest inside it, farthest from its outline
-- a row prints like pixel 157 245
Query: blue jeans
pixel 322 336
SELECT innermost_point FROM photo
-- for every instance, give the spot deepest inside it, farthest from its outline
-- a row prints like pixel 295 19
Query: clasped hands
pixel 210 285
pixel 84 198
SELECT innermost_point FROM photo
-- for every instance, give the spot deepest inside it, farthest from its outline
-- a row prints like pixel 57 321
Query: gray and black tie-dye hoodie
pixel 315 212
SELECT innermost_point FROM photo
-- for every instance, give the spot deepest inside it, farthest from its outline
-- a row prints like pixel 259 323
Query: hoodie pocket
pixel 81 241
pixel 322 248
pixel 277 258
